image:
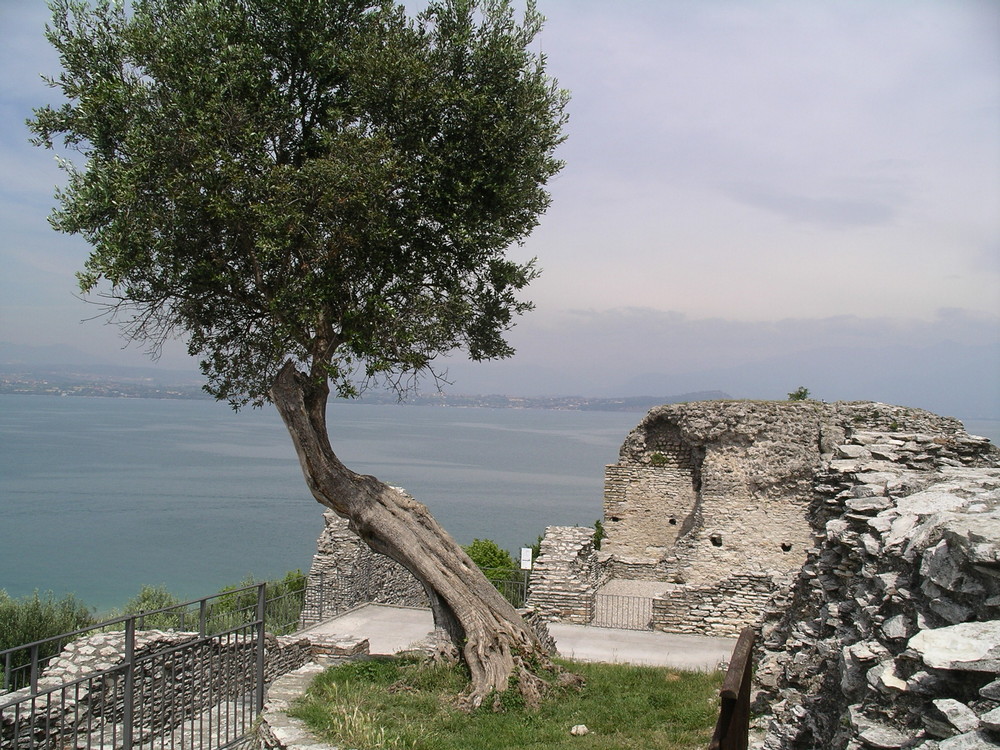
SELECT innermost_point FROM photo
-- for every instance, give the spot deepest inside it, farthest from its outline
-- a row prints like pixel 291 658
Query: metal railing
pixel 732 730
pixel 147 680
pixel 623 612
pixel 186 677
pixel 512 585
pixel 328 596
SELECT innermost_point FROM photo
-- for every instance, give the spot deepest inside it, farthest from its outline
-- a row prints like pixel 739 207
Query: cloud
pixel 951 361
pixel 829 211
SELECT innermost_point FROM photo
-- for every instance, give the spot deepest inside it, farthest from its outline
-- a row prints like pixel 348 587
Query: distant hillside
pixel 65 371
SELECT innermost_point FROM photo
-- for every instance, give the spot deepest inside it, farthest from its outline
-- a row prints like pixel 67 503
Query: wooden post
pixel 733 727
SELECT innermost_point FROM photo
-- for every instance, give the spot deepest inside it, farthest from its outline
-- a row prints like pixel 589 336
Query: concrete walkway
pixel 392 629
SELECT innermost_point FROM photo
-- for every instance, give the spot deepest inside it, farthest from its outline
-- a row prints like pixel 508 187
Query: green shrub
pixel 497 563
pixel 799 394
pixel 598 533
pixel 499 568
pixel 35 618
pixel 151 598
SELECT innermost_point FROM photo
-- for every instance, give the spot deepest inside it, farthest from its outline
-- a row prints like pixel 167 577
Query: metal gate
pixel 624 612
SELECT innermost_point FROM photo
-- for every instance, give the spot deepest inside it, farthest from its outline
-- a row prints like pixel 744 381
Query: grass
pixel 402 703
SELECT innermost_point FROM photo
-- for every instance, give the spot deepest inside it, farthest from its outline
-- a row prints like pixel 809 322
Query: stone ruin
pixel 345 572
pixel 890 636
pixel 710 503
pixel 862 540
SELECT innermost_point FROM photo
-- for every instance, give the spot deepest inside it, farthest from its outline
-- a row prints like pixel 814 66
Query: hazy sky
pixel 748 183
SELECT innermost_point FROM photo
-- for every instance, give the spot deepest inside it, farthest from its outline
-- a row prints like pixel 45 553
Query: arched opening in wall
pixel 786 546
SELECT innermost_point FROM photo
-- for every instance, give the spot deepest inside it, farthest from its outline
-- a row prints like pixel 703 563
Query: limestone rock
pixel 977 740
pixel 991 720
pixel 967 646
pixel 962 718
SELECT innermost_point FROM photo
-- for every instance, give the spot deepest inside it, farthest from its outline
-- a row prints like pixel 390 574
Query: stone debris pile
pixel 890 637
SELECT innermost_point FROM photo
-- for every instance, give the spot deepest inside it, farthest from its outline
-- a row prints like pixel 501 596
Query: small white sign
pixel 525 558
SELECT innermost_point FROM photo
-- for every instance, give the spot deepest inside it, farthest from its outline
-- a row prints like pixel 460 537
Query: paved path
pixel 392 629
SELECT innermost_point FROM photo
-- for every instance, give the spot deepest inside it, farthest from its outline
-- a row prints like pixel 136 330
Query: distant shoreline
pixel 45 385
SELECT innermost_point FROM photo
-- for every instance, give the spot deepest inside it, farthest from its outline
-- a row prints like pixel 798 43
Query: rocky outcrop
pixel 890 636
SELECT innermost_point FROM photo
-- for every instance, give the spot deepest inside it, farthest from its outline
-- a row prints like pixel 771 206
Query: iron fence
pixel 512 584
pixel 328 596
pixel 624 612
pixel 142 681
pixel 186 677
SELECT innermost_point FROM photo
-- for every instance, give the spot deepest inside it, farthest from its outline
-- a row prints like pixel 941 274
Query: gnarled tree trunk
pixel 492 638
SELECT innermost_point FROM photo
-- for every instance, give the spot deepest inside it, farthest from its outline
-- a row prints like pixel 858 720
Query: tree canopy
pixel 328 182
pixel 317 192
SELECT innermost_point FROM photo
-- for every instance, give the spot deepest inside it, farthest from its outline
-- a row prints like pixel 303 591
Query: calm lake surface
pixel 99 496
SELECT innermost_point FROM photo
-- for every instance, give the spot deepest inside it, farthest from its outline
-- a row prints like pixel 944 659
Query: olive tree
pixel 316 195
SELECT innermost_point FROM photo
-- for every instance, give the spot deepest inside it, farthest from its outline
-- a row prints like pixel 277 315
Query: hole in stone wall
pixel 673 521
pixel 716 540
pixel 786 547
pixel 615 518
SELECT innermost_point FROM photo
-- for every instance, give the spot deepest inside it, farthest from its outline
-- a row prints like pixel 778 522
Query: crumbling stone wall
pixel 566 575
pixel 346 572
pixel 890 637
pixel 714 497
pixel 650 499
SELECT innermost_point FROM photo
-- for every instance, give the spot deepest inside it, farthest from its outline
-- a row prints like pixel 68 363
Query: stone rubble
pixel 890 636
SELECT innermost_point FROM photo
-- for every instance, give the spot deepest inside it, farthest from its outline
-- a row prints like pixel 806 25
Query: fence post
pixel 203 617
pixel 33 677
pixel 128 709
pixel 322 594
pixel 261 602
pixel 732 730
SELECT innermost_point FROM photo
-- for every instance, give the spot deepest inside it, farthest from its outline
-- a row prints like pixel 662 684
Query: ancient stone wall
pixel 714 497
pixel 650 499
pixel 890 637
pixel 565 575
pixel 346 572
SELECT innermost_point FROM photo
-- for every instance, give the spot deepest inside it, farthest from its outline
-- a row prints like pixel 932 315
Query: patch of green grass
pixel 402 703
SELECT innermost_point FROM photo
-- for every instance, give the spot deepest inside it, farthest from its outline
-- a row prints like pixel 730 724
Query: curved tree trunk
pixel 493 639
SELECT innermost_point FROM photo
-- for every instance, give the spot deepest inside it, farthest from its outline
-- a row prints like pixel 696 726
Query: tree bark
pixel 494 641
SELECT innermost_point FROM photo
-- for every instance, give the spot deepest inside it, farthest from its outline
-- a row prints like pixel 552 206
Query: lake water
pixel 99 496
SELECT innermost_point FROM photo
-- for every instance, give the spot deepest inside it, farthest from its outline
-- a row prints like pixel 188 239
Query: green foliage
pixel 329 182
pixel 151 598
pixel 407 704
pixel 488 555
pixel 658 459
pixel 499 568
pixel 799 394
pixel 35 618
pixel 598 533
pixel 536 548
